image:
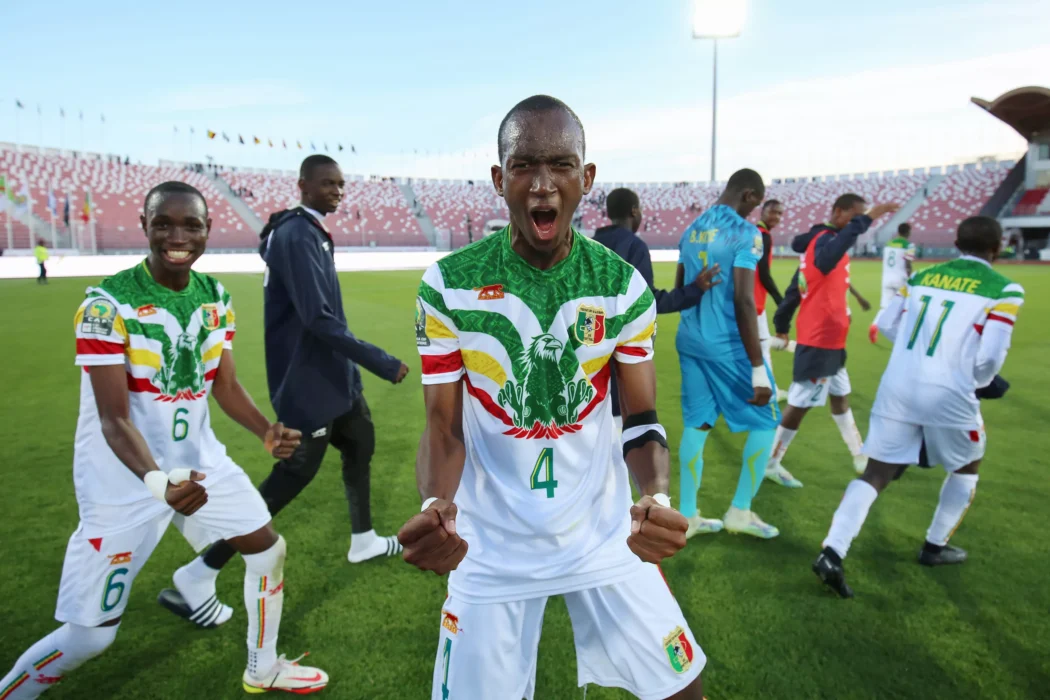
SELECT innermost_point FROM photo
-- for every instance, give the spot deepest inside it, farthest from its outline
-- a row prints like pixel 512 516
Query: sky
pixel 419 88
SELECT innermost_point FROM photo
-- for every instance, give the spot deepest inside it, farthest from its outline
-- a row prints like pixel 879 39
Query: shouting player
pixel 820 290
pixel 519 334
pixel 723 369
pixel 897 257
pixel 155 341
pixel 951 327
pixel 765 285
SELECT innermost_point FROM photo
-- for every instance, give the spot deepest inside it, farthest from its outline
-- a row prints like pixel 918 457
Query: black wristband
pixel 643 418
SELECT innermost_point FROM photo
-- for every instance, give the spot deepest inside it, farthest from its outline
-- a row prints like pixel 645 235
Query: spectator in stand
pixel 624 210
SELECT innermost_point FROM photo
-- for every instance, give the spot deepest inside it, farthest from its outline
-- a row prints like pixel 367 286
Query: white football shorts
pixel 103 560
pixel 629 635
pixel 896 442
pixel 814 392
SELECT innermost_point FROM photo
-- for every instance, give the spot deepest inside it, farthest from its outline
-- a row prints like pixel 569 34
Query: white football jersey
pixel 930 376
pixel 169 344
pixel 544 501
pixel 895 258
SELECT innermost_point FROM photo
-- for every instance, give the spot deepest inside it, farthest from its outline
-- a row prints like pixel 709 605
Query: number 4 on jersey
pixel 545 468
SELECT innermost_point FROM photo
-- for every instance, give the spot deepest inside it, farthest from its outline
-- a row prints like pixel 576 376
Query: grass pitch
pixel 767 626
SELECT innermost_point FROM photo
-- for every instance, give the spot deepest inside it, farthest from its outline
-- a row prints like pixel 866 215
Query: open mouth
pixel 178 257
pixel 543 219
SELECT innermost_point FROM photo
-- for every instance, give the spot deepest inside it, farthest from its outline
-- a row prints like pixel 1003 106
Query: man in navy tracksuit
pixel 625 212
pixel 312 363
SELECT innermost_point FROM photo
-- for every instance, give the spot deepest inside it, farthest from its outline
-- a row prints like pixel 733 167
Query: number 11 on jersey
pixel 544 469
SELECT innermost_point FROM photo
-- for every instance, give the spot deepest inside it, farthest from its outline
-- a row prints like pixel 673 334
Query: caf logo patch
pixel 98 317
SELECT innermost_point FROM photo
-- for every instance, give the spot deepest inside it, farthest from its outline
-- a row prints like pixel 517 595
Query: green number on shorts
pixel 180 428
pixel 936 339
pixel 111 586
pixel 816 393
pixel 545 464
pixel 446 657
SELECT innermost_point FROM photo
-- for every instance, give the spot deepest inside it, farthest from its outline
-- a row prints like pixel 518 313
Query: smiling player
pixel 155 341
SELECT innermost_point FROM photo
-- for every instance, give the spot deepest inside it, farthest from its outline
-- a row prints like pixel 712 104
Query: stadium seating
pixel 960 194
pixel 450 203
pixel 19 232
pixel 373 213
pixel 117 193
pixel 1033 202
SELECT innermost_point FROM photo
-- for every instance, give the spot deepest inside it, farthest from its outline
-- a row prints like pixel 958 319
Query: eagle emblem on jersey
pixel 590 324
pixel 679 650
pixel 543 404
pixel 182 376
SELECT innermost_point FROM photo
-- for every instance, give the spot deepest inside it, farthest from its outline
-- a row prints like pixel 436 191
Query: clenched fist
pixel 430 539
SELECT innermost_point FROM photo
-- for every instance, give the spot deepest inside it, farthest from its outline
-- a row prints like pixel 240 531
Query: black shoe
pixel 204 616
pixel 832 574
pixel 947 555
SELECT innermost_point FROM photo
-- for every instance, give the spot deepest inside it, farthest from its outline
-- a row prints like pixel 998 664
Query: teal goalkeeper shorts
pixel 712 388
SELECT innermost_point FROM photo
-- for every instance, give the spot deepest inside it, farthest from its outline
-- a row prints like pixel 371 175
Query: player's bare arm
pixel 746 312
pixel 430 538
pixel 864 303
pixel 237 403
pixel 110 385
pixel 679 276
pixel 657 530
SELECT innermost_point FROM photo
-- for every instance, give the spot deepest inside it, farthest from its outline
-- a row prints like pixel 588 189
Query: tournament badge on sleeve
pixel 421 325
pixel 679 650
pixel 590 324
pixel 98 318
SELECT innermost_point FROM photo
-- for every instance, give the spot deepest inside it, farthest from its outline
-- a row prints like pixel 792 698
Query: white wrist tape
pixel 427 503
pixel 662 499
pixel 759 378
pixel 157 481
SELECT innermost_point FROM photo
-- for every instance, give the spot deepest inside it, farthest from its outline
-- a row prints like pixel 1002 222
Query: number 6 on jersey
pixel 544 466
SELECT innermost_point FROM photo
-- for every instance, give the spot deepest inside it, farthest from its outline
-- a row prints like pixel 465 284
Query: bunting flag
pixel 18 103
pixel 192 130
pixel 326 148
pixel 270 141
pixel 284 144
pixel 39 111
pixel 256 140
pixel 61 112
pixel 212 134
pixel 176 129
pixel 352 149
pixel 103 118
pixel 299 144
pixel 312 146
pixel 81 115
pixel 240 138
pixel 340 146
pixel 225 137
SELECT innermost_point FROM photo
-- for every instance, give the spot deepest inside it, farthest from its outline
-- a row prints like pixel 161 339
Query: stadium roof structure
pixel 1025 109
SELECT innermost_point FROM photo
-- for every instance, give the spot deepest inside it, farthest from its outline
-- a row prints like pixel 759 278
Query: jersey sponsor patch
pixel 590 324
pixel 450 622
pixel 122 558
pixel 679 650
pixel 147 310
pixel 490 292
pixel 98 318
pixel 422 340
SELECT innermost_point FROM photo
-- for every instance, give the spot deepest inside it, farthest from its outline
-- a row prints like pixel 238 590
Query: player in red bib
pixel 820 290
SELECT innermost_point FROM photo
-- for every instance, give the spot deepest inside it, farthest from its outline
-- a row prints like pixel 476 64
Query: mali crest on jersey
pixel 535 346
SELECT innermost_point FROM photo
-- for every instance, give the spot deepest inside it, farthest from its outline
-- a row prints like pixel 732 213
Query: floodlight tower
pixel 717 19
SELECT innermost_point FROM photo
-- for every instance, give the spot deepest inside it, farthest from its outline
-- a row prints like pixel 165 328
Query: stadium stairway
pixel 420 213
pixel 41 228
pixel 889 230
pixel 238 205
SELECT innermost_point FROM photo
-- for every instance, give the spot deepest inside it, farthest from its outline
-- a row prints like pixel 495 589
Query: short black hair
pixel 904 229
pixel 173 187
pixel 979 235
pixel 746 179
pixel 848 201
pixel 314 161
pixel 772 203
pixel 536 104
pixel 620 202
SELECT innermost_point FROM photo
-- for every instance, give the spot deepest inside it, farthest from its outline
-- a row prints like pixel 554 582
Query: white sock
pixel 196 583
pixel 44 663
pixel 848 429
pixel 956 496
pixel 781 441
pixel 367 545
pixel 264 598
pixel 850 515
